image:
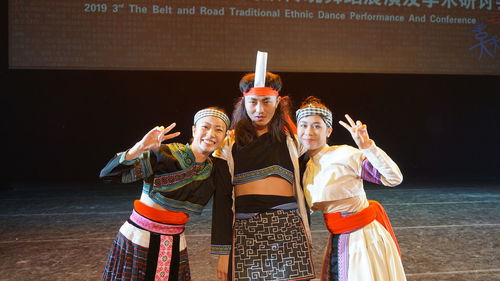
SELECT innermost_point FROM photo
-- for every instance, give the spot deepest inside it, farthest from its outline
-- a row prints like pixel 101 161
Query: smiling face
pixel 313 133
pixel 208 134
pixel 261 109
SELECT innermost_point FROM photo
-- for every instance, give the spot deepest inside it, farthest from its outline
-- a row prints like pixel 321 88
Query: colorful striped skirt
pixel 145 249
pixel 271 245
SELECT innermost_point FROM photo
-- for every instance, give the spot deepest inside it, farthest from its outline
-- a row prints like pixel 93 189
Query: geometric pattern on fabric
pixel 184 272
pixel 255 175
pixel 126 261
pixel 138 171
pixel 271 246
pixel 164 258
pixel 211 112
pixel 336 261
pixel 343 256
pixel 191 170
pixel 141 167
pixel 324 113
pixel 370 173
pixel 171 204
pixel 220 249
pixel 161 260
pixel 172 181
pixel 160 228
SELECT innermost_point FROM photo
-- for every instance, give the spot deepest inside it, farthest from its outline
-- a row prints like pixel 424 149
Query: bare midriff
pixel 146 200
pixel 272 185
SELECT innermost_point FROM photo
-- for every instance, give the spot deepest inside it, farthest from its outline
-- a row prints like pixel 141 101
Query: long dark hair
pixel 245 132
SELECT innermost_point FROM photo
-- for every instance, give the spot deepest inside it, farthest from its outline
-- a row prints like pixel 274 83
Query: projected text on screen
pixel 368 36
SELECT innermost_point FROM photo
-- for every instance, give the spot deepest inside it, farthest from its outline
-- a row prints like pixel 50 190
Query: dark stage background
pixel 63 126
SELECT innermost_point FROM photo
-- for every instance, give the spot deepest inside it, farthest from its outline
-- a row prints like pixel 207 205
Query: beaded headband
pixel 212 112
pixel 326 114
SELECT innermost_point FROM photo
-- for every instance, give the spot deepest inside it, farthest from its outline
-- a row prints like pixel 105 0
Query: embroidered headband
pixel 325 113
pixel 259 82
pixel 212 112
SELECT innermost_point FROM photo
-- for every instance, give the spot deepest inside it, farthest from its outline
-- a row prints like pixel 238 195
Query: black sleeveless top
pixel 262 158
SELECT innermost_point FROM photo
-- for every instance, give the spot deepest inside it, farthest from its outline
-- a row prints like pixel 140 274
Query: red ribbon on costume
pixel 261 91
pixel 163 216
pixel 337 224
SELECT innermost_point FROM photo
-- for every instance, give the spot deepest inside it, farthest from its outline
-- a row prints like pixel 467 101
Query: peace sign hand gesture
pixel 151 141
pixel 358 131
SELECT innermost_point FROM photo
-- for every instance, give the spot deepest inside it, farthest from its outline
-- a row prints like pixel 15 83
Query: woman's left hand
pixel 222 267
pixel 359 132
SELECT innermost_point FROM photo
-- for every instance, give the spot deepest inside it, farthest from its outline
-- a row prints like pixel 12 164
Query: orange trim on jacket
pixel 337 224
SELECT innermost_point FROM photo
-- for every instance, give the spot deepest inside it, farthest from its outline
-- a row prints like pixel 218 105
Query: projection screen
pixel 356 36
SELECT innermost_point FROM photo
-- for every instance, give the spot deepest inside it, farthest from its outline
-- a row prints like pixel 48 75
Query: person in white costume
pixel 362 245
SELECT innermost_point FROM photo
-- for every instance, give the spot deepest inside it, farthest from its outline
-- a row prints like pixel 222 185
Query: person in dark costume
pixel 178 181
pixel 271 236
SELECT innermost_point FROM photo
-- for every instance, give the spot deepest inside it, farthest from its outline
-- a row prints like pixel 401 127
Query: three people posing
pixel 268 237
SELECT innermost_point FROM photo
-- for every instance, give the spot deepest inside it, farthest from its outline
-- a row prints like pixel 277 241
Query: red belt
pixel 162 216
pixel 337 224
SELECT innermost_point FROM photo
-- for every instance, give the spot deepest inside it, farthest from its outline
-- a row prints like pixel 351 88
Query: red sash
pixel 337 224
pixel 163 216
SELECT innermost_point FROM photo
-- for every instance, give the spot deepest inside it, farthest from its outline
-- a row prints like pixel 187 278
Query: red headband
pixel 261 91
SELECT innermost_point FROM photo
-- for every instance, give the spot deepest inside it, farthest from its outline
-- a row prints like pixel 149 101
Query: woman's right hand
pixel 151 141
pixel 359 132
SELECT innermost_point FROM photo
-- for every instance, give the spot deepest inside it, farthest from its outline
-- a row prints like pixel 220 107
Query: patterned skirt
pixel 271 246
pixel 148 250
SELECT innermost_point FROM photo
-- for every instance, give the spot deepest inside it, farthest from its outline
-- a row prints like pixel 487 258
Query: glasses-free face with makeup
pixel 261 109
pixel 208 134
pixel 313 133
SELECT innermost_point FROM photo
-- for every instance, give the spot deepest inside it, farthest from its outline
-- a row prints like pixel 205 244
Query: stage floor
pixel 64 232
